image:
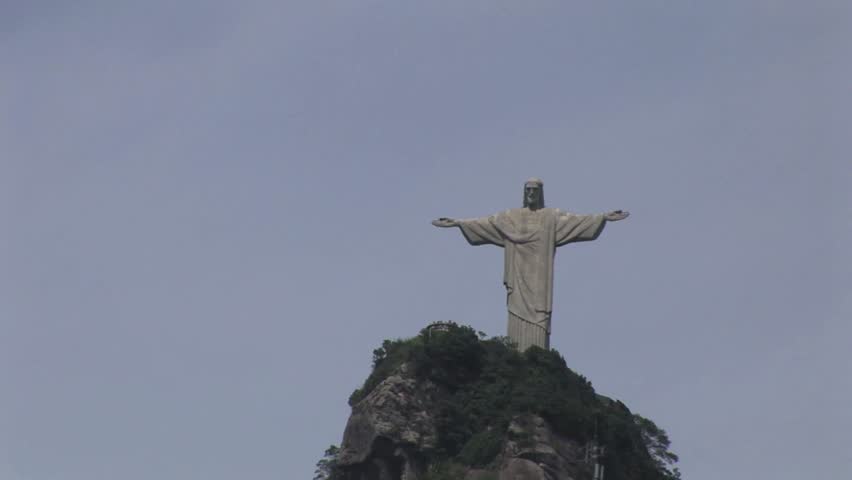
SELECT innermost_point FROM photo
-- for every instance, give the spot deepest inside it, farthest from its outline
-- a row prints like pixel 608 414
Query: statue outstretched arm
pixel 477 231
pixel 583 228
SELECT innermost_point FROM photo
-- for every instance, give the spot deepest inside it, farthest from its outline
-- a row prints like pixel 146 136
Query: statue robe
pixel 529 239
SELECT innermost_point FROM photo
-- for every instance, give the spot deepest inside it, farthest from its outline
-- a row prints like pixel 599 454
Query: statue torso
pixel 524 224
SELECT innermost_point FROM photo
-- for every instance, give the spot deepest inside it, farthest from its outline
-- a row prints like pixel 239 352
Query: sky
pixel 212 212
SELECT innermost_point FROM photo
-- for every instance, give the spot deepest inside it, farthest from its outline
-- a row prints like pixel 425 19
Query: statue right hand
pixel 616 215
pixel 444 222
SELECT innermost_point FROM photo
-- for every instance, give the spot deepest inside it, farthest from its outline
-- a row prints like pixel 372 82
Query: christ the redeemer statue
pixel 529 237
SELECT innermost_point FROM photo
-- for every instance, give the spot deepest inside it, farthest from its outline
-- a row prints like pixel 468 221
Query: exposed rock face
pixel 392 432
pixel 535 452
pixel 389 430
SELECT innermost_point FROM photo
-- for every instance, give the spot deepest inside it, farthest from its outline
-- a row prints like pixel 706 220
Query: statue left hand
pixel 616 215
pixel 445 222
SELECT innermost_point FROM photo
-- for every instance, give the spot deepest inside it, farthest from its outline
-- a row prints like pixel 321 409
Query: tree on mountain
pixel 657 442
pixel 327 465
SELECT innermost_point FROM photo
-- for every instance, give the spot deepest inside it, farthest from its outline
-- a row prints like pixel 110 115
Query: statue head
pixel 534 194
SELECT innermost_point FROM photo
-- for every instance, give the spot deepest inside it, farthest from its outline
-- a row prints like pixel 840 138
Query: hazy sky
pixel 212 212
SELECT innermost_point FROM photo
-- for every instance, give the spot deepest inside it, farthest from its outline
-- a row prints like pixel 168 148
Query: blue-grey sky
pixel 213 211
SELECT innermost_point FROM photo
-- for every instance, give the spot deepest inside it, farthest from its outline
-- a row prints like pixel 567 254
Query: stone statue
pixel 529 237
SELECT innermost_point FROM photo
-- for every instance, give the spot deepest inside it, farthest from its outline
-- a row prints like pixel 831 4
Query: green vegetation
pixel 487 383
pixel 657 442
pixel 481 448
pixel 327 465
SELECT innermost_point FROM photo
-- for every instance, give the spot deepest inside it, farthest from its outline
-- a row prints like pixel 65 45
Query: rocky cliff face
pixel 392 433
pixel 535 452
pixel 451 405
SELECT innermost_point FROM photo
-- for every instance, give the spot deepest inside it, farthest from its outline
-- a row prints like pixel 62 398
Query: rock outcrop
pixel 450 405
pixel 389 431
pixel 392 433
pixel 533 451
